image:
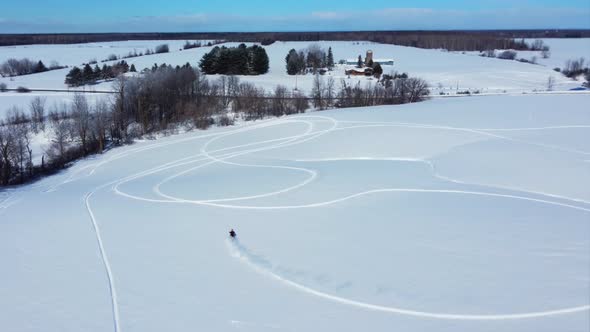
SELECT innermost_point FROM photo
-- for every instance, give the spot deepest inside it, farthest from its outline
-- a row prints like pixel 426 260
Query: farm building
pixel 359 71
pixel 368 58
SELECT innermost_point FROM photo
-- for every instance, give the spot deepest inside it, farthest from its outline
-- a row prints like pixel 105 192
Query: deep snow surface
pixel 467 214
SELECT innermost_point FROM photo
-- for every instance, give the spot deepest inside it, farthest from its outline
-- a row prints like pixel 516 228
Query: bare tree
pixel 318 92
pixel 121 118
pixel 546 52
pixel 21 153
pixel 100 123
pixel 537 45
pixel 417 89
pixel 60 126
pixel 300 102
pixel 550 83
pixel 330 91
pixel 280 105
pixel 37 109
pixel 6 147
pixel 81 120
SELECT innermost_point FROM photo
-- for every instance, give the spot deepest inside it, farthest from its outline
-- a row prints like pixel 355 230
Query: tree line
pixel 241 60
pixel 461 40
pixel 164 99
pixel 25 66
pixel 310 59
pixel 89 75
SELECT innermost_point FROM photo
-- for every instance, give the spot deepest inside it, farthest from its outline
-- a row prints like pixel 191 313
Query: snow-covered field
pixel 562 50
pixel 445 71
pixel 462 214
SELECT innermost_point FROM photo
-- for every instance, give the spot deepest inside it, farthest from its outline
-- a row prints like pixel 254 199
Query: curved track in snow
pixel 206 157
pixel 239 251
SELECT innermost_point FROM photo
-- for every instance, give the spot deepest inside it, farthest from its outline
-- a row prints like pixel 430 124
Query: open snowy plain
pixel 455 214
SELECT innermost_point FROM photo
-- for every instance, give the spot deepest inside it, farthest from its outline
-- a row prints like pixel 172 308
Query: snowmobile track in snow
pixel 239 251
pixel 207 157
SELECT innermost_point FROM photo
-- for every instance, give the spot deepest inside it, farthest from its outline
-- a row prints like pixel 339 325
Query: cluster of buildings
pixel 367 66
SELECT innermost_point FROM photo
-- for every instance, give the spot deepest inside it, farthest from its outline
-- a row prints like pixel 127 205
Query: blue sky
pixel 288 15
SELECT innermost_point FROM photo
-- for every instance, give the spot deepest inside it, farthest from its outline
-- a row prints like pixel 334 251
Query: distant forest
pixel 466 40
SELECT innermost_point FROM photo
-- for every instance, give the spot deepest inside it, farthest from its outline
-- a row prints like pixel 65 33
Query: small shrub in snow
pixel 574 68
pixel 550 83
pixel 163 48
pixel 489 53
pixel 225 121
pixel 22 89
pixel 507 55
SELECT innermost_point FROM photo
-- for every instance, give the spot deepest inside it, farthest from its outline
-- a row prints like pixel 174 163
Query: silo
pixel 369 57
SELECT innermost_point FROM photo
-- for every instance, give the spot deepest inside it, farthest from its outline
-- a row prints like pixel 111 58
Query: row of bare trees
pixel 16 67
pixel 161 100
pixel 390 90
pixel 75 130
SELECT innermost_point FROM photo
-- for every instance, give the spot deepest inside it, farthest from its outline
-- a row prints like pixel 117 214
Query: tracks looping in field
pixel 206 156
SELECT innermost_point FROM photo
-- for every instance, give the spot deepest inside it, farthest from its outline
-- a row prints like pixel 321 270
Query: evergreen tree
pixel 377 70
pixel 241 60
pixel 208 62
pixel 87 74
pixel 132 69
pixel 40 67
pixel 103 72
pixel 330 63
pixel 359 63
pixel 292 60
pixel 74 77
pixel 124 66
pixel 260 61
pixel 107 72
pixel 222 61
pixel 97 73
